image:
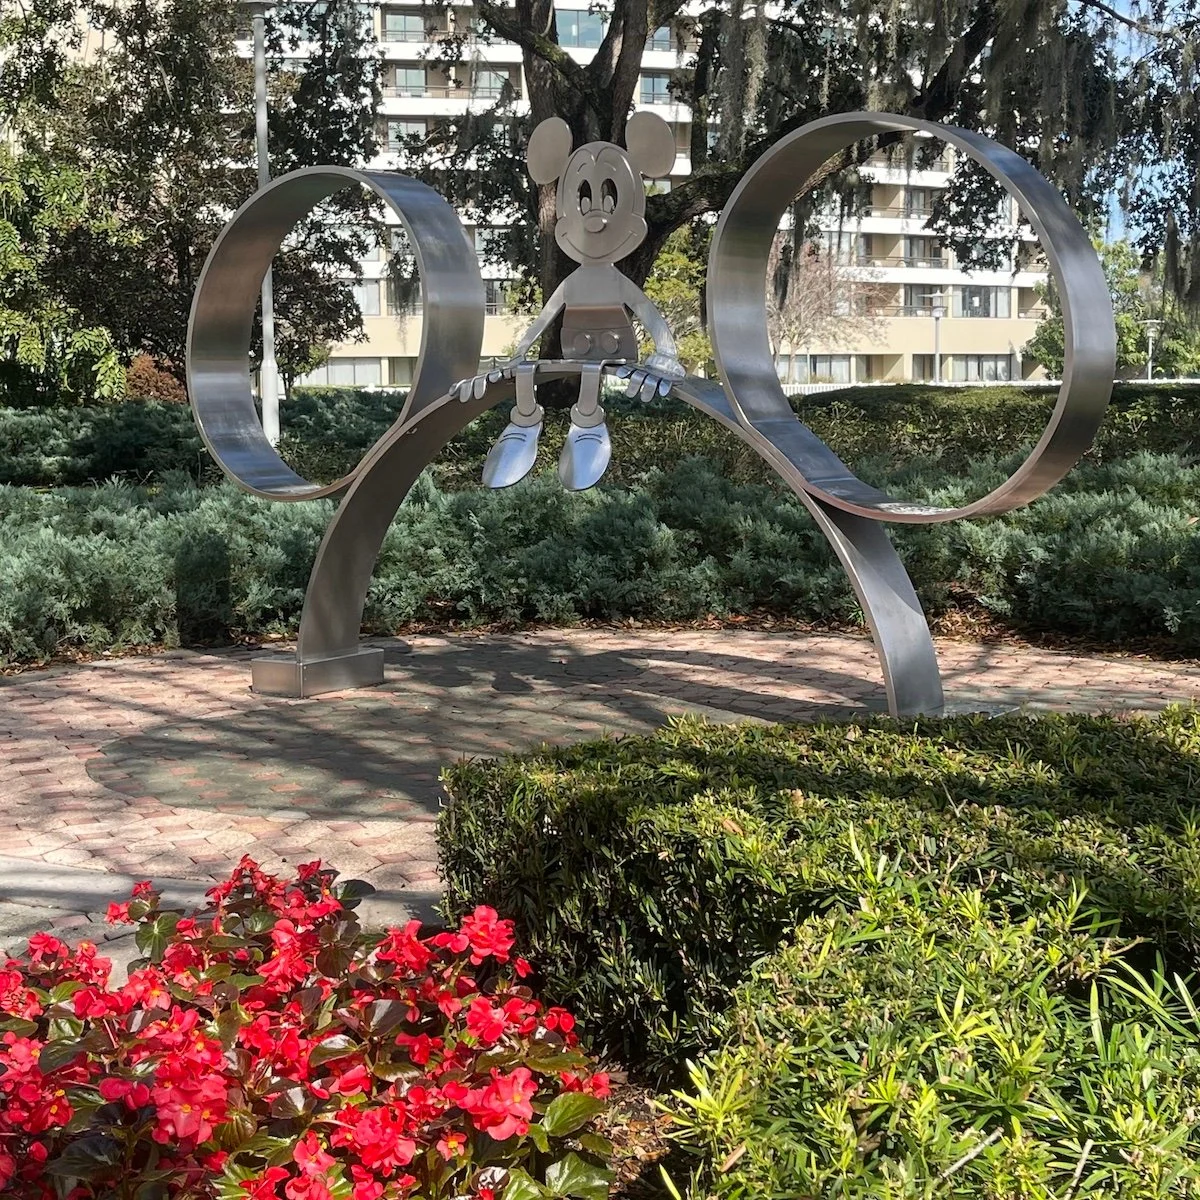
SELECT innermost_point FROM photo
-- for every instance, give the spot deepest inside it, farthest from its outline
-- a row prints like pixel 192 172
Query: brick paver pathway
pixel 170 766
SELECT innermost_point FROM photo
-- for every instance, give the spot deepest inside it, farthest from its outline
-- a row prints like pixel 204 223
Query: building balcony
pixel 936 262
pixel 445 92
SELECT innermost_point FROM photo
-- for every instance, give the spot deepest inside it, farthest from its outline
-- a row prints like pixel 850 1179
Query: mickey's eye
pixel 585 197
pixel 608 196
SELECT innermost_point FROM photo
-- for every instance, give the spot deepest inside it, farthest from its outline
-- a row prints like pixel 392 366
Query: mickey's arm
pixel 665 359
pixel 545 319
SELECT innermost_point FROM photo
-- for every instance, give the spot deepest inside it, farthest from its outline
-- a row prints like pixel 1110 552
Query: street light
pixel 1152 328
pixel 939 311
pixel 268 377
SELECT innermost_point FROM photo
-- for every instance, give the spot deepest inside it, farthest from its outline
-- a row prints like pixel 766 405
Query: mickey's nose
pixel 595 222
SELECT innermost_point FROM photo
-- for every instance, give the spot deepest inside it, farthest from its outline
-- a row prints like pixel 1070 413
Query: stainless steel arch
pixel 737 317
pixel 329 655
pixel 751 403
pixel 222 317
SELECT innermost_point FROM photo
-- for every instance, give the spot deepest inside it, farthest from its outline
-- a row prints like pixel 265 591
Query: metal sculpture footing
pixel 446 395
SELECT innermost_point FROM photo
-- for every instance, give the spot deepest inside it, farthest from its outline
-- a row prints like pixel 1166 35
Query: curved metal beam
pixel 894 615
pixel 329 655
pixel 222 317
pixel 737 316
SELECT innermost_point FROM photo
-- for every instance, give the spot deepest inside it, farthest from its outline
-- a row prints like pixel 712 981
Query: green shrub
pixel 1112 553
pixel 327 431
pixel 139 442
pixel 925 1042
pixel 648 875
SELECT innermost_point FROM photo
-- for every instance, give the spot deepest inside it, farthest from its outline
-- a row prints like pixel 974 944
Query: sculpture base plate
pixel 286 675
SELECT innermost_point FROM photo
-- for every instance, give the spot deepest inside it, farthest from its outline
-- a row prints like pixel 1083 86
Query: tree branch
pixel 938 97
pixel 532 42
pixel 1166 32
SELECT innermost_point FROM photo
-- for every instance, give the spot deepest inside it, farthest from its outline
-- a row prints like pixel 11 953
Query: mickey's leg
pixel 515 451
pixel 587 450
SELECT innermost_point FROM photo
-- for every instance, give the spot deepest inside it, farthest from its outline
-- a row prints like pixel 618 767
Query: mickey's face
pixel 601 202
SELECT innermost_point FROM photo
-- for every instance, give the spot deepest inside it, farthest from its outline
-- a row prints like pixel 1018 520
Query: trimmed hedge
pixel 326 431
pixel 647 876
pixel 947 958
pixel 930 1043
pixel 1112 553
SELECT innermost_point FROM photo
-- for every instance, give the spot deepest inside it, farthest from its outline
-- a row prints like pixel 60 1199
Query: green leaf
pixel 292 1102
pixel 226 941
pixel 18 1025
pixel 88 1158
pixel 263 1145
pixel 242 982
pixel 261 921
pixel 332 1048
pixel 550 1060
pixel 332 961
pixel 571 1111
pixel 152 937
pixel 574 1176
pixel 523 1187
pixel 596 1144
pixel 393 1072
pixel 353 891
pixel 537 1135
pixel 56 1055
pixel 380 1017
pixel 229 1023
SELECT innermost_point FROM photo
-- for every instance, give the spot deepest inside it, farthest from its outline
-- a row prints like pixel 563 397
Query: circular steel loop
pixel 222 318
pixel 737 315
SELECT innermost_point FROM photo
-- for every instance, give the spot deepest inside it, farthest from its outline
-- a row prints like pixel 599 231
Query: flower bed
pixel 268 1047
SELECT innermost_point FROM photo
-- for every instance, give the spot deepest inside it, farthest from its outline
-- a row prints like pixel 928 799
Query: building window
pixel 404 27
pixel 580 28
pixel 970 368
pixel 347 234
pixel 655 89
pixel 982 301
pixel 660 39
pixel 408 81
pixel 345 372
pixel 495 296
pixel 403 297
pixel 830 368
pixel 924 368
pixel 489 85
pixel 489 242
pixel 920 299
pixel 366 296
pixel 923 252
pixel 792 368
pixel 918 202
pixel 398 133
pixel 400 371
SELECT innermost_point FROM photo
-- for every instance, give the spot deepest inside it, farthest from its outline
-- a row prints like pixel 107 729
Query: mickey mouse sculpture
pixel 600 218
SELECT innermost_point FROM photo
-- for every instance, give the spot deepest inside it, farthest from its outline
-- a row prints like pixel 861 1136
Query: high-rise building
pixel 929 318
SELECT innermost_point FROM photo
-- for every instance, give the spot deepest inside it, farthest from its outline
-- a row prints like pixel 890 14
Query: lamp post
pixel 268 376
pixel 939 311
pixel 1152 328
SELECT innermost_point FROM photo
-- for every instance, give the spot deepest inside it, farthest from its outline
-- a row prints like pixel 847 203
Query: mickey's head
pixel 601 200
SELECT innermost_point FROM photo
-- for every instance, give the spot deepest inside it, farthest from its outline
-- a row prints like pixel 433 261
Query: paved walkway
pixel 170 768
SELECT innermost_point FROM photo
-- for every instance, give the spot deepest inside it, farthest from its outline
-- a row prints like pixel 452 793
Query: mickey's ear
pixel 651 144
pixel 548 150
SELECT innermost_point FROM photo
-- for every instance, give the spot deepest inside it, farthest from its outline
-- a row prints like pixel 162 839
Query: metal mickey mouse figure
pixel 600 207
